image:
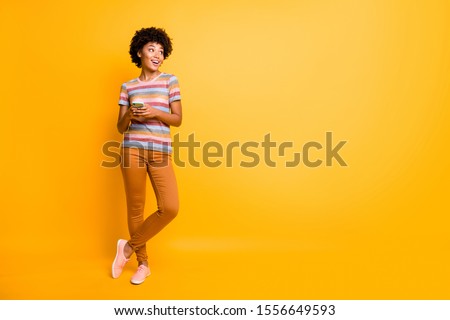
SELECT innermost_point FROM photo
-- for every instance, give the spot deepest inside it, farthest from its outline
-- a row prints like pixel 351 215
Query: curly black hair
pixel 146 35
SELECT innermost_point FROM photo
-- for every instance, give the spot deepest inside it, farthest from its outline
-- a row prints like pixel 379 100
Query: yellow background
pixel 375 73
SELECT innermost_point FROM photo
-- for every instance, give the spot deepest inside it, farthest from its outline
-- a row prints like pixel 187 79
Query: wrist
pixel 158 114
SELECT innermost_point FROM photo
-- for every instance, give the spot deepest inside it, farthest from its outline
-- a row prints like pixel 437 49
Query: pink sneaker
pixel 140 275
pixel 119 260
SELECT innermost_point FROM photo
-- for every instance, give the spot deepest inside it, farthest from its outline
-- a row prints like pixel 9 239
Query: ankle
pixel 143 263
pixel 127 251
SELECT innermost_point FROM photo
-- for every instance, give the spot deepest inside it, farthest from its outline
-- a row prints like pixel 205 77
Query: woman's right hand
pixel 125 116
pixel 131 113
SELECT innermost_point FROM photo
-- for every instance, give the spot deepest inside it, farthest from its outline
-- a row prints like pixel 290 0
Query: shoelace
pixel 141 269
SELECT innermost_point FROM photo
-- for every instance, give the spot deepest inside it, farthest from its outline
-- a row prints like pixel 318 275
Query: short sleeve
pixel 123 99
pixel 174 89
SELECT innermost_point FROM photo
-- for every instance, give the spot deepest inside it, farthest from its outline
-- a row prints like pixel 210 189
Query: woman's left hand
pixel 147 112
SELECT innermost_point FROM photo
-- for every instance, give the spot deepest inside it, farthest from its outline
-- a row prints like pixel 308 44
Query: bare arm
pixel 125 116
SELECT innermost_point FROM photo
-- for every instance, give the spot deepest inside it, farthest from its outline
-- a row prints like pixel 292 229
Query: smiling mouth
pixel 156 63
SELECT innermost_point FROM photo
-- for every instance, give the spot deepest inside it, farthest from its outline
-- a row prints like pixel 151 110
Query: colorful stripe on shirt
pixel 158 93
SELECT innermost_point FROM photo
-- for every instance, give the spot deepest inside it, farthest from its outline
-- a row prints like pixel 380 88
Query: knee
pixel 136 202
pixel 169 211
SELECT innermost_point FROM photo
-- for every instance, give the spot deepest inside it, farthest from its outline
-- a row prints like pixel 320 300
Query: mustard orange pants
pixel 136 165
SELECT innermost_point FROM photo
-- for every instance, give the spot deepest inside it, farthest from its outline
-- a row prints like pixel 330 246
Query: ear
pixel 139 53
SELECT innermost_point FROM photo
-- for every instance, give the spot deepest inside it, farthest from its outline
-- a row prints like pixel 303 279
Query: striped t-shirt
pixel 159 92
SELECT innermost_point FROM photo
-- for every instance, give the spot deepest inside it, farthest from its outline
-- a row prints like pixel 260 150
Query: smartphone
pixel 138 105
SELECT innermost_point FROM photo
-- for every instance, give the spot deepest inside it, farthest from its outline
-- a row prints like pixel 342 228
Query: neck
pixel 147 75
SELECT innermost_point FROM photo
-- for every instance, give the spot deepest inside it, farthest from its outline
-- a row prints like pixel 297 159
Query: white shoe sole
pixel 139 282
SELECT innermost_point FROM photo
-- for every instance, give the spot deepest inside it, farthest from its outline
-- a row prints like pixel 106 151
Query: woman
pixel 149 105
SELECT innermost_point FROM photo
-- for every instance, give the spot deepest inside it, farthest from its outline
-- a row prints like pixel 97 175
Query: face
pixel 152 56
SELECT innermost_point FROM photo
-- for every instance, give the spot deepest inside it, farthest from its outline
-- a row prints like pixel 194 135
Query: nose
pixel 156 54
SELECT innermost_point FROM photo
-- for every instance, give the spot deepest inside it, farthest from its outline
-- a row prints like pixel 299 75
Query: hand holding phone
pixel 138 105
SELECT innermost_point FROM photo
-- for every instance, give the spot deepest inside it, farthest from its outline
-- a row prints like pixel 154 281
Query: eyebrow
pixel 153 46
